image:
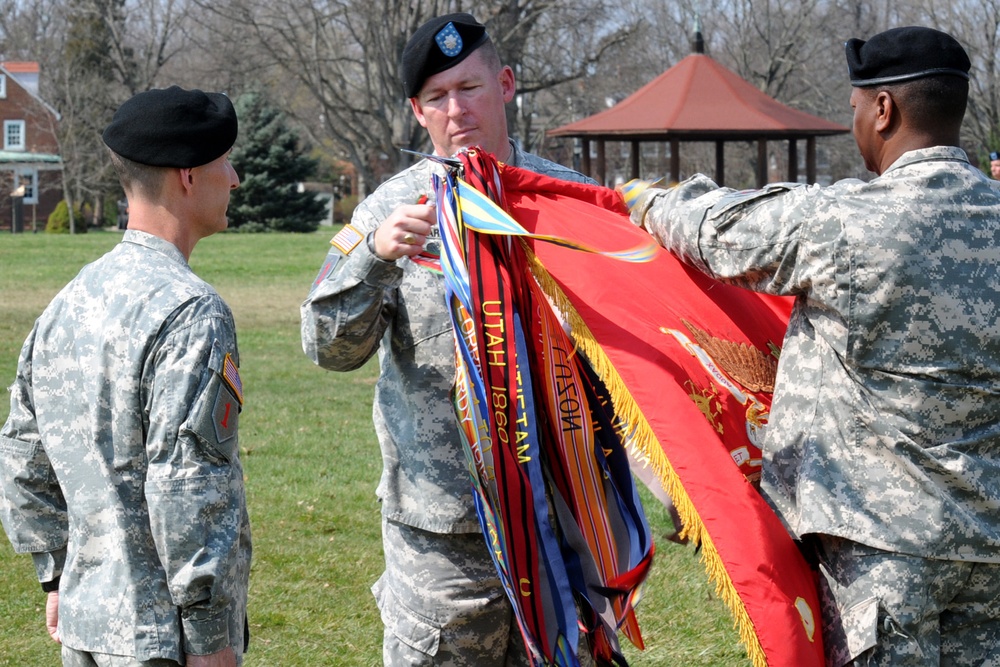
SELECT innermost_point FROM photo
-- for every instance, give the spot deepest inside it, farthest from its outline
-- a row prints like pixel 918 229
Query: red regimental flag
pixel 690 366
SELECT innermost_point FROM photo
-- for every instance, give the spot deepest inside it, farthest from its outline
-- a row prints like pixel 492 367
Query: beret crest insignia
pixel 449 41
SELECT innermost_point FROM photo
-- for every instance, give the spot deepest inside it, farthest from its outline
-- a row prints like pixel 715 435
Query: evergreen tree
pixel 271 164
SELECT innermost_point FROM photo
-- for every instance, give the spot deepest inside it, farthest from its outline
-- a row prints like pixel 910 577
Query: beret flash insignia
pixel 449 41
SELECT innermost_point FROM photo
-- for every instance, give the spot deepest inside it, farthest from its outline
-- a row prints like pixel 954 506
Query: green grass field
pixel 312 464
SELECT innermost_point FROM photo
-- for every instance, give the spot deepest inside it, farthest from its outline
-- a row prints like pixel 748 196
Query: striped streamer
pixel 553 491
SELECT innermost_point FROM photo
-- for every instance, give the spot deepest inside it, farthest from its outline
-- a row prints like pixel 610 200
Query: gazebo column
pixel 601 163
pixel 634 155
pixel 675 161
pixel 720 163
pixel 811 160
pixel 585 156
pixel 793 160
pixel 761 163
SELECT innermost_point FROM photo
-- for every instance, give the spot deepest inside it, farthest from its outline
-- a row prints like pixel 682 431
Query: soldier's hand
pixel 223 658
pixel 633 190
pixel 404 232
pixel 52 615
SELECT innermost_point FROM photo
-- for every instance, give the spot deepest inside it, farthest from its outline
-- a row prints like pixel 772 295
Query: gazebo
pixel 700 100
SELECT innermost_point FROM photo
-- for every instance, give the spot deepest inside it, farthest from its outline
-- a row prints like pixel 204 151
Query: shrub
pixel 252 227
pixel 58 222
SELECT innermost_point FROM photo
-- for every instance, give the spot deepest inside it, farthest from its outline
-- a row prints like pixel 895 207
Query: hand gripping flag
pixel 557 504
pixel 687 367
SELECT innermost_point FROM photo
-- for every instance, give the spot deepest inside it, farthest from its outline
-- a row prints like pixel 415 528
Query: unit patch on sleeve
pixel 225 413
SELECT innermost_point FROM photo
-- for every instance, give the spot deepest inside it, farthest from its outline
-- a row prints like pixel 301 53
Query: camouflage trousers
pixel 73 658
pixel 442 603
pixel 882 608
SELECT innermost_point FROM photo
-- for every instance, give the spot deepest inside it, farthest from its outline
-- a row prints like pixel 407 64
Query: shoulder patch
pixel 225 415
pixel 231 375
pixel 347 239
pixel 329 265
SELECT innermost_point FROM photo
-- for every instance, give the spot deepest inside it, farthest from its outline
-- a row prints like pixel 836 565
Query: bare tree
pixel 552 46
pixel 345 56
pixel 976 24
pixel 26 27
pixel 112 49
pixel 771 42
pixel 335 63
pixel 794 52
pixel 93 54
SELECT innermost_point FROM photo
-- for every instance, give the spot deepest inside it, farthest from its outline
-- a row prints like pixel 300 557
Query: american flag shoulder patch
pixel 347 239
pixel 231 375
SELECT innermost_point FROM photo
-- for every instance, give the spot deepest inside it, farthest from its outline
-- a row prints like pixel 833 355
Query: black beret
pixel 437 45
pixel 173 127
pixel 904 54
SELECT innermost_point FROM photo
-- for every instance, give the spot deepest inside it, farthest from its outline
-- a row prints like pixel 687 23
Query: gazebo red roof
pixel 699 99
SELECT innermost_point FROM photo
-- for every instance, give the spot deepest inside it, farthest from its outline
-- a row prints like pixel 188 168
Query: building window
pixel 13 135
pixel 29 179
pixel 3 86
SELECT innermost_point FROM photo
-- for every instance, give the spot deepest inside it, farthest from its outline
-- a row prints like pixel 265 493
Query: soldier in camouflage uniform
pixel 119 466
pixel 440 598
pixel 883 449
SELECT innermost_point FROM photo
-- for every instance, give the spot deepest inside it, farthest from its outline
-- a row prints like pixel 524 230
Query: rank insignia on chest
pixel 347 239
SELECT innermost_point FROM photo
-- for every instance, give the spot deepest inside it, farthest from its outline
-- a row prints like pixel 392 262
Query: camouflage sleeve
pixel 658 212
pixel 749 238
pixel 352 300
pixel 32 507
pixel 194 481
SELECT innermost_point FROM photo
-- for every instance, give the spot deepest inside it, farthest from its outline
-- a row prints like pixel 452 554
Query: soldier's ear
pixel 418 111
pixel 185 177
pixel 886 112
pixel 507 83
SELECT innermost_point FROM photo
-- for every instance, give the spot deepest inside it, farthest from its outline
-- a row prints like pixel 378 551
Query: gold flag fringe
pixel 646 448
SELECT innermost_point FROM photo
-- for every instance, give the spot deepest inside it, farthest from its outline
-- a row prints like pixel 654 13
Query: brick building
pixel 30 166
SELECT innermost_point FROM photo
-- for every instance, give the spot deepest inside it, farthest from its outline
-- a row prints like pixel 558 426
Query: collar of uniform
pixel 153 243
pixel 514 160
pixel 933 153
pixel 515 154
